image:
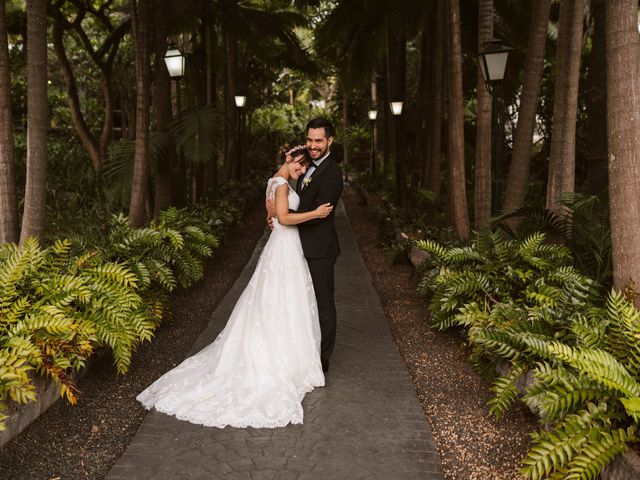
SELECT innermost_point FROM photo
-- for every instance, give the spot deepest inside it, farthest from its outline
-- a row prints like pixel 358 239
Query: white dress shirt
pixel 313 166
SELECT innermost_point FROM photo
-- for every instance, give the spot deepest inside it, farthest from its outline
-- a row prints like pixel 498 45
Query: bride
pixel 267 358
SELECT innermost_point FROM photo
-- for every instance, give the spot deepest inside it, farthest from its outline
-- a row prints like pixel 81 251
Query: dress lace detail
pixel 266 359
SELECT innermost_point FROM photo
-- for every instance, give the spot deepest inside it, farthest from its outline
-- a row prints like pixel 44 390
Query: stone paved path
pixel 366 423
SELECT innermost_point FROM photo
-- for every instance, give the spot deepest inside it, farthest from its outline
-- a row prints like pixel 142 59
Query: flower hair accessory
pixel 297 148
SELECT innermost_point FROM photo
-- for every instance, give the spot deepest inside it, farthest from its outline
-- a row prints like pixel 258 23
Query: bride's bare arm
pixel 287 218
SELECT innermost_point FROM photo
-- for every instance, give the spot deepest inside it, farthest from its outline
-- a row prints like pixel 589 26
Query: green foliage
pixel 584 227
pixel 105 289
pixel 522 301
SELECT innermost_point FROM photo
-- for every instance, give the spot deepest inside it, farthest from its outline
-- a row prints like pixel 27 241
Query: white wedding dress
pixel 266 359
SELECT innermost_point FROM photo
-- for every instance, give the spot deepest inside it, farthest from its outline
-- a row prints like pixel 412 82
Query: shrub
pixel 522 301
pixel 59 304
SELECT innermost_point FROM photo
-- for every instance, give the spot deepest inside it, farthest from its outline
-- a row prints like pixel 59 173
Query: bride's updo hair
pixel 298 153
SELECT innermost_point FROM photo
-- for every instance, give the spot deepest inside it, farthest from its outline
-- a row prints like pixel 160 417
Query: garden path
pixel 365 423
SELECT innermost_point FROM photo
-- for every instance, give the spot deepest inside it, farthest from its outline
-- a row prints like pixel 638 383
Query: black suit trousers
pixel 321 270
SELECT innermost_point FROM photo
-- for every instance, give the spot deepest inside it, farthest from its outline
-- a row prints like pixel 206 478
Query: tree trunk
pixel 8 199
pixel 623 132
pixel 346 161
pixel 35 197
pixel 162 113
pixel 386 121
pixel 231 167
pixel 518 179
pixel 434 177
pixel 210 45
pixel 79 124
pixel 482 189
pixel 457 178
pixel 596 102
pixel 96 146
pixel 562 159
pixel 140 189
pixel 425 91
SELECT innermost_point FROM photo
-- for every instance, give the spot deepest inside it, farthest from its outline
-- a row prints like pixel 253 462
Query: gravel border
pixel 83 442
pixel 473 445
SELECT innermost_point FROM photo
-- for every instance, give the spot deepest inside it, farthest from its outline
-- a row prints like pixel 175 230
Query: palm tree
pixel 162 113
pixel 482 189
pixel 562 158
pixel 140 15
pixel 374 43
pixel 8 201
pixel 266 31
pixel 457 177
pixel 35 198
pixel 434 178
pixel 518 178
pixel 596 100
pixel 231 166
pixel 623 131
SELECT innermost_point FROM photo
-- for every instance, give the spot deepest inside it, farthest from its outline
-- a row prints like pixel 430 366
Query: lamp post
pixel 396 109
pixel 240 102
pixel 373 114
pixel 174 60
pixel 493 62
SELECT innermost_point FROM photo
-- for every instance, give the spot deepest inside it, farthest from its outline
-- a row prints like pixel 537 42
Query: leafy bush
pixel 585 229
pixel 522 302
pixel 61 303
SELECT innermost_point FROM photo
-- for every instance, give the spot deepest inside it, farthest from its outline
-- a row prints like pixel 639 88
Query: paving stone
pixel 366 423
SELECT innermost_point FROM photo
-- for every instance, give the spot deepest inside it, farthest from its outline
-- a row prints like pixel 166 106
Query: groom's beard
pixel 320 154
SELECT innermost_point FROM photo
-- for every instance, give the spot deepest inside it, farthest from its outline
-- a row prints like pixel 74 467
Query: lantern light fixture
pixel 396 108
pixel 174 59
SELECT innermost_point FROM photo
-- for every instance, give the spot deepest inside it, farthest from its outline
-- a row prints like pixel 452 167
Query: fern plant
pixel 584 227
pixel 57 305
pixel 521 302
pixel 55 309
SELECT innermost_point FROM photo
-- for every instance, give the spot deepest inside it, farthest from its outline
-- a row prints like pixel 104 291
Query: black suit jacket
pixel 318 236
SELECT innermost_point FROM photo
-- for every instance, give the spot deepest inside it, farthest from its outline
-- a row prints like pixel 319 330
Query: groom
pixel 322 183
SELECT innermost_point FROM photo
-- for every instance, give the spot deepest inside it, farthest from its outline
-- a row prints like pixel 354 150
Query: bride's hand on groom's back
pixel 271 212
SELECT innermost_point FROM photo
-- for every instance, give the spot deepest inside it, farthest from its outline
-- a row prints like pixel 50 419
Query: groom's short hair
pixel 321 122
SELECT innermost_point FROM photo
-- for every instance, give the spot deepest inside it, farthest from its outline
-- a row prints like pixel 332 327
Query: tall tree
pixel 434 160
pixel 103 57
pixel 457 177
pixel 482 186
pixel 231 165
pixel 623 131
pixel 424 97
pixel 562 159
pixel 210 39
pixel 518 178
pixel 162 113
pixel 8 200
pixel 595 97
pixel 35 197
pixel 140 15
